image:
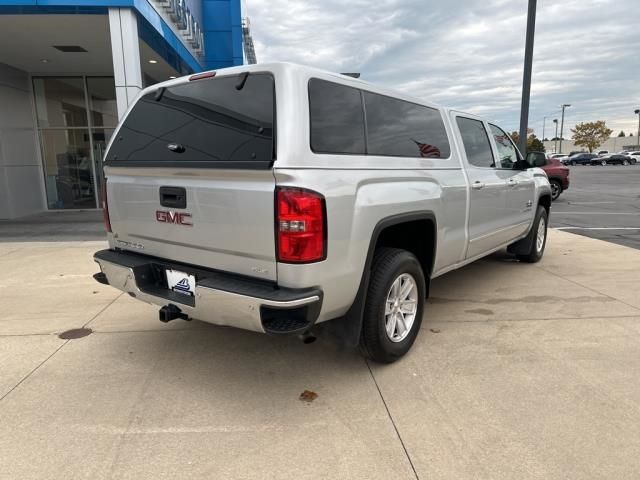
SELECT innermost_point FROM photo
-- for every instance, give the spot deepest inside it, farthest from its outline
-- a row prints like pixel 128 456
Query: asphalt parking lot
pixel 601 202
pixel 520 371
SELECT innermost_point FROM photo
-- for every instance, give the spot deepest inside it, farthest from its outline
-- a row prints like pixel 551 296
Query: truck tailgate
pixel 226 223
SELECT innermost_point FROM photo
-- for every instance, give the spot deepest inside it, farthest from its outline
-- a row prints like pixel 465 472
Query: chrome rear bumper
pixel 220 298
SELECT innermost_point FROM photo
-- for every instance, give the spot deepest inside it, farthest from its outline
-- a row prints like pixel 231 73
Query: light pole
pixel 526 77
pixel 565 105
pixel 544 120
pixel 637 111
pixel 555 145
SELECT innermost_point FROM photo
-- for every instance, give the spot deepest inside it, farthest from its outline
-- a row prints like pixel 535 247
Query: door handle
pixel 512 182
pixel 173 197
pixel 477 185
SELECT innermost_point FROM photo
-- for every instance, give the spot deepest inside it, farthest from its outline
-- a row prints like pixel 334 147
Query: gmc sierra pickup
pixel 277 197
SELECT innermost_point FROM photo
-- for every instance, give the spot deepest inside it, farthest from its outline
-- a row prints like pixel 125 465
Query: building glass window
pixel 102 101
pixel 76 117
pixel 60 102
pixel 67 167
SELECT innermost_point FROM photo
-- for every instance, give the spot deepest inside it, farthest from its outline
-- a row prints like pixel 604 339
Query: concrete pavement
pixel 520 371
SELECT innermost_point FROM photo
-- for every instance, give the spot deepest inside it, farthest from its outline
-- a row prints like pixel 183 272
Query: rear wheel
pixel 556 189
pixel 539 240
pixel 625 162
pixel 393 309
pixel 603 162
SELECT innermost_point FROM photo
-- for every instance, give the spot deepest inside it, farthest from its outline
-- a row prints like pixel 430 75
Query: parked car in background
pixel 559 156
pixel 615 159
pixel 580 159
pixel 557 173
pixel 602 152
pixel 635 154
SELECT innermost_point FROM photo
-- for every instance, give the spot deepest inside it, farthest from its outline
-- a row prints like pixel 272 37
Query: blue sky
pixel 468 54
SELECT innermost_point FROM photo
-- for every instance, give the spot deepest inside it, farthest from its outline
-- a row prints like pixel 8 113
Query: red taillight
pixel 200 76
pixel 105 207
pixel 300 225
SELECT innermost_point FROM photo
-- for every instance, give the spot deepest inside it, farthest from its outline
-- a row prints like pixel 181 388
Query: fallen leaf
pixel 308 396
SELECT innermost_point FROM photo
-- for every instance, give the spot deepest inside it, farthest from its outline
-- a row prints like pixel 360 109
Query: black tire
pixel 603 163
pixel 535 252
pixel 389 264
pixel 625 162
pixel 573 163
pixel 556 189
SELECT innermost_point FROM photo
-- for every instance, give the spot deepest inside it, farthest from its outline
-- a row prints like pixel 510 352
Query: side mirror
pixel 536 159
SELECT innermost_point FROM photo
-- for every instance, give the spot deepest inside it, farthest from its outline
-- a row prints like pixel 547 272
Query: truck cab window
pixel 508 156
pixel 476 142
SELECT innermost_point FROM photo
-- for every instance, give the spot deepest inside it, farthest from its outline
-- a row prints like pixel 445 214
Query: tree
pixel 545 139
pixel 591 134
pixel 515 136
pixel 533 143
pixel 621 134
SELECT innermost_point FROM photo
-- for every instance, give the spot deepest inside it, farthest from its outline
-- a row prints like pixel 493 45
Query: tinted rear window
pixel 404 129
pixel 337 121
pixel 393 127
pixel 201 122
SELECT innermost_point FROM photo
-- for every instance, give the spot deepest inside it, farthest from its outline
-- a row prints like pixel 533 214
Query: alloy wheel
pixel 401 307
pixel 541 234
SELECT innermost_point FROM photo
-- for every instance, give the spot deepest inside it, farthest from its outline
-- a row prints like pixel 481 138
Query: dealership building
pixel 70 68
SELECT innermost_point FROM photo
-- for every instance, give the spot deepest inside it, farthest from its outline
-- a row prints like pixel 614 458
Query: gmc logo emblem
pixel 174 217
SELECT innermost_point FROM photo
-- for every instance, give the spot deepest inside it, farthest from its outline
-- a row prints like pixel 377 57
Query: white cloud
pixel 468 54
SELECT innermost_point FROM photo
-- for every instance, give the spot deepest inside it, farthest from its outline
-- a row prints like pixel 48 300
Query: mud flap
pixel 524 246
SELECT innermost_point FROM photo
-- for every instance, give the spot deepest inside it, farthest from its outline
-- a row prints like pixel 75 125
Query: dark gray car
pixel 615 159
pixel 580 159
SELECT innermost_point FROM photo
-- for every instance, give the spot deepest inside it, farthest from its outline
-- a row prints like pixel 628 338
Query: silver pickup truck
pixel 285 200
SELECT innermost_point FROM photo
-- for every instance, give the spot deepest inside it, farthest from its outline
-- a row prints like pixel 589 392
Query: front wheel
pixel 625 162
pixel 573 163
pixel 603 163
pixel 394 304
pixel 556 189
pixel 539 240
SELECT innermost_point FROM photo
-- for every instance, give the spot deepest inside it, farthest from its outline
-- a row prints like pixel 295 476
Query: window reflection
pixel 210 120
pixel 60 102
pixel 337 122
pixel 476 142
pixel 507 153
pixel 102 101
pixel 68 170
pixel 404 129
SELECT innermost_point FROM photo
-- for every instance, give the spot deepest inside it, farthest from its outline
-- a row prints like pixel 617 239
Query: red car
pixel 558 176
pixel 557 173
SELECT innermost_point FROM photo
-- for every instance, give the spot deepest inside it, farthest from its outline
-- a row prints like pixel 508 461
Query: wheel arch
pixel 349 326
pixel 545 201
